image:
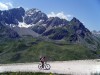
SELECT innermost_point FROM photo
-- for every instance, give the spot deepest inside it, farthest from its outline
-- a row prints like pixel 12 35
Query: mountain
pixel 96 33
pixel 12 16
pixel 6 32
pixel 34 16
pixel 36 23
pixel 26 35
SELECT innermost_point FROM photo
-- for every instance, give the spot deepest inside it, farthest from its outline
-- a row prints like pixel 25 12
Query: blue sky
pixel 87 11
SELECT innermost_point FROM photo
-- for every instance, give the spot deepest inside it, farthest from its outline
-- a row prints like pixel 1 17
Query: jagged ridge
pixel 39 24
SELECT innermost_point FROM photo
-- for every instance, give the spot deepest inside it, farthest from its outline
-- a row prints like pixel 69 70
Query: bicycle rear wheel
pixel 40 66
pixel 47 66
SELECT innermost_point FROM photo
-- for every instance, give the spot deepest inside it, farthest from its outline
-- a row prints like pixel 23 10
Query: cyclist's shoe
pixel 42 66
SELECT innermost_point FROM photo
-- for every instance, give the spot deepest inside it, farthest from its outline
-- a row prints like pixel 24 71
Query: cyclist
pixel 42 60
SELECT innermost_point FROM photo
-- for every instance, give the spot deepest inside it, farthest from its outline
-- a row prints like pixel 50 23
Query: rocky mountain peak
pixel 34 15
pixel 75 20
pixel 12 16
pixel 32 11
pixel 56 21
pixel 77 24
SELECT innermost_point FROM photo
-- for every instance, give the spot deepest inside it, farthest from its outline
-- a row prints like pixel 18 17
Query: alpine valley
pixel 27 35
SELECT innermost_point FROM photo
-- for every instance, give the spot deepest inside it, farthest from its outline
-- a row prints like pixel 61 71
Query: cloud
pixel 5 6
pixel 9 4
pixel 60 15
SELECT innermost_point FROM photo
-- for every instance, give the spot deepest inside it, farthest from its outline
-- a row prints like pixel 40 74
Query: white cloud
pixel 26 9
pixel 60 15
pixel 5 6
pixel 69 15
pixel 9 4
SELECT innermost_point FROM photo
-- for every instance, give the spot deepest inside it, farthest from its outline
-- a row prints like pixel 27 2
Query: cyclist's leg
pixel 42 64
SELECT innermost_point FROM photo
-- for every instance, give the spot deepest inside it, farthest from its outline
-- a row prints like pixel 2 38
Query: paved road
pixel 80 67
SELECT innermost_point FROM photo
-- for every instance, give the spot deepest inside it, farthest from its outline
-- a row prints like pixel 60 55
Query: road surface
pixel 79 67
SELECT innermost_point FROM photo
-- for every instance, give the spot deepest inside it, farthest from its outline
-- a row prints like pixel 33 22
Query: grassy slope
pixel 29 50
pixel 27 73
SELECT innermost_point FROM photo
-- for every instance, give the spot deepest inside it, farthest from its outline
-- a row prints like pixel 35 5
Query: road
pixel 79 67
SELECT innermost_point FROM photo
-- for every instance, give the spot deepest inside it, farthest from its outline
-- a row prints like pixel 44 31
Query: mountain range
pixel 23 30
pixel 36 23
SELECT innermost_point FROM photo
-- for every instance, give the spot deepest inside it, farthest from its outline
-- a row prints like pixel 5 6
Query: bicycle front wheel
pixel 47 66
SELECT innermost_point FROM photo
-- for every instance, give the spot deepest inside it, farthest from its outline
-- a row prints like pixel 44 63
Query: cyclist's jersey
pixel 42 59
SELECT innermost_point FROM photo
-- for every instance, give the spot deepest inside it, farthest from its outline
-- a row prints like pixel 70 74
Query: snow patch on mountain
pixel 37 10
pixel 41 20
pixel 32 11
pixel 24 25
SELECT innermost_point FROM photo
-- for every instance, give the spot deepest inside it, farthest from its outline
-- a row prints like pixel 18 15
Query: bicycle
pixel 46 66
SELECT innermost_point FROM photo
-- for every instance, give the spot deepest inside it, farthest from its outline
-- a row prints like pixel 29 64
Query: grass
pixel 30 49
pixel 27 73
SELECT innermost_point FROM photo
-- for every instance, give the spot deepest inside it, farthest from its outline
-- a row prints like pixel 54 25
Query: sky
pixel 87 11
